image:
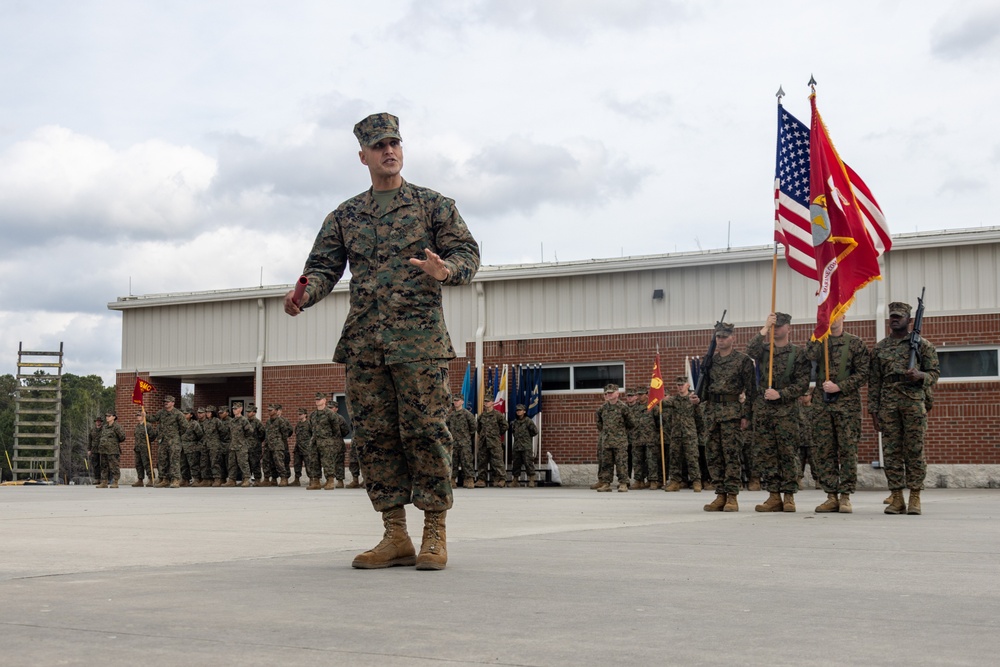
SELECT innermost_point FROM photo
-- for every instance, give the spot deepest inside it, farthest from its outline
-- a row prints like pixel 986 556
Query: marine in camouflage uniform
pixel 776 419
pixel 211 461
pixel 462 426
pixel 240 436
pixel 897 402
pixel 614 420
pixel 276 433
pixel 681 417
pixel 305 450
pixel 141 447
pixel 403 242
pixel 491 426
pixel 170 425
pixel 226 442
pixel 328 429
pixel 254 453
pixel 523 431
pixel 836 417
pixel 93 455
pixel 192 449
pixel 109 446
pixel 810 418
pixel 726 417
pixel 645 436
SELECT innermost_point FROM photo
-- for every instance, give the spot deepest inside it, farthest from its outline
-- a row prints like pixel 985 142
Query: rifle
pixel 706 364
pixel 918 322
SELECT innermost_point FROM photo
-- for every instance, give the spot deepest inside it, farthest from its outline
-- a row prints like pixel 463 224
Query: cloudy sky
pixel 150 147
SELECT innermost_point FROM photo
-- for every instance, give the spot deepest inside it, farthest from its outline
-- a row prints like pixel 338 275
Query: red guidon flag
pixel 655 385
pixel 846 258
pixel 141 387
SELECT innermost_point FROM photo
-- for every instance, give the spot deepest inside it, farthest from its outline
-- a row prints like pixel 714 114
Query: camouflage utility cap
pixel 377 127
pixel 681 379
pixel 302 411
pixel 201 411
pixel 610 388
pixel 724 329
pixel 209 408
pixel 900 308
pixel 224 408
pixel 320 395
pixel 169 399
pixel 520 406
pixel 781 319
pixel 251 408
pixel 274 406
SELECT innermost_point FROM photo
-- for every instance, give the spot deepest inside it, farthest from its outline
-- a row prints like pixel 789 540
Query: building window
pixel 969 364
pixel 582 377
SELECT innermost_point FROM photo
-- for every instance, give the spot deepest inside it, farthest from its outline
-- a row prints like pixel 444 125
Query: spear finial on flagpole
pixel 812 83
pixel 780 93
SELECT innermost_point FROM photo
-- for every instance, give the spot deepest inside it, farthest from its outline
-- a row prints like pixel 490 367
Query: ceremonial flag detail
pixel 500 402
pixel 141 387
pixel 792 224
pixel 656 391
pixel 846 256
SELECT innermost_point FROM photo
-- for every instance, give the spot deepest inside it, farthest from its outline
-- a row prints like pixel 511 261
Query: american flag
pixel 792 227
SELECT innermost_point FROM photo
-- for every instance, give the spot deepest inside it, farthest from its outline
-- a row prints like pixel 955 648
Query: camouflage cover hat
pixel 631 392
pixel 781 319
pixel 251 408
pixel 237 404
pixel 609 388
pixel 201 411
pixel 320 394
pixel 188 411
pixel 681 379
pixel 169 399
pixel 209 408
pixel 274 406
pixel 111 413
pixel 520 406
pixel 455 399
pixel 377 127
pixel 302 411
pixel 724 329
pixel 223 408
pixel 900 308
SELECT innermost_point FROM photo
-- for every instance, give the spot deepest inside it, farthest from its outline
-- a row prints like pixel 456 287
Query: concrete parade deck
pixel 547 576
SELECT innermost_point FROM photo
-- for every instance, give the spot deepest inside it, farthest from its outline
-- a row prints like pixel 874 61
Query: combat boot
pixel 888 499
pixel 708 486
pixel 789 504
pixel 716 505
pixel 639 486
pixel 184 482
pixel 596 485
pixel 845 504
pixel 831 504
pixel 480 484
pixel 731 504
pixel 296 482
pixel 207 483
pixel 230 482
pixel 102 485
pixel 217 483
pixel 514 483
pixel 114 484
pixel 330 485
pixel 696 486
pixel 754 484
pixel 282 482
pixel 246 484
pixel 355 484
pixel 396 548
pixel 340 484
pixel 434 545
pixel 772 504
pixel 469 484
pixel 896 505
pixel 531 483
pixel 604 487
pixel 673 485
pixel 138 483
pixel 313 484
pixel 622 487
pixel 161 484
pixel 655 486
pixel 175 484
pixel 501 483
pixel 913 504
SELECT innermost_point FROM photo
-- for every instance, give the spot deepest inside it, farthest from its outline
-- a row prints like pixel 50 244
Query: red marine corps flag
pixel 141 387
pixel 655 385
pixel 846 257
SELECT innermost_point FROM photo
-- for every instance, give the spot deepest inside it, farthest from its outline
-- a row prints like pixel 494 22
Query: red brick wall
pixel 964 426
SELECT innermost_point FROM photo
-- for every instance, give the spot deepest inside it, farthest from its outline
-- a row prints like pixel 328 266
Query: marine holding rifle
pixel 725 374
pixel 904 368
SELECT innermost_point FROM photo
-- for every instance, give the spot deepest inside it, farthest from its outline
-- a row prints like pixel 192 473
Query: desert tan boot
pixel 731 504
pixel 897 504
pixel 696 486
pixel 831 504
pixel 395 549
pixel 434 546
pixel 913 504
pixel 772 504
pixel 789 504
pixel 672 485
pixel 845 504
pixel 716 505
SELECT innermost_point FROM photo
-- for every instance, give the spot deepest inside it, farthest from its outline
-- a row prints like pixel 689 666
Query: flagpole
pixel 774 285
pixel 149 448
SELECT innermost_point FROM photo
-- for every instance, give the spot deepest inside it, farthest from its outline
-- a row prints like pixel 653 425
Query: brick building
pixel 593 321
